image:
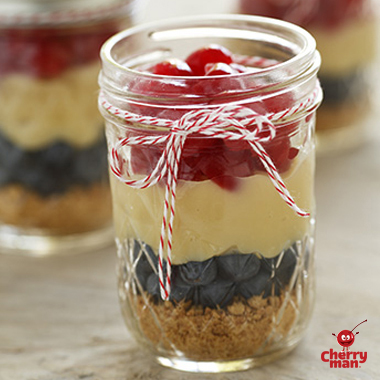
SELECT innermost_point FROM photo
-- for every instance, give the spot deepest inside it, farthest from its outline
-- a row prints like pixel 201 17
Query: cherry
pixel 167 87
pixel 225 166
pixel 217 168
pixel 157 91
pixel 197 150
pixel 276 103
pixel 280 152
pixel 173 67
pixel 209 54
pixel 50 58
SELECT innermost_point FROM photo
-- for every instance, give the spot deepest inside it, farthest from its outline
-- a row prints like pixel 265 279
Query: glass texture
pixel 242 272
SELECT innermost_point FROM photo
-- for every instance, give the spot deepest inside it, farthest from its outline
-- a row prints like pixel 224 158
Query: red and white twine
pixel 234 123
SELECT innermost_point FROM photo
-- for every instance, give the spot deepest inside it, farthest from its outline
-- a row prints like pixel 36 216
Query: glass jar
pixel 215 256
pixel 345 31
pixel 54 191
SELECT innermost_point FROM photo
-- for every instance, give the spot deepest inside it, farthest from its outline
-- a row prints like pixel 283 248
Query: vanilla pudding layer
pixel 36 112
pixel 210 221
pixel 346 48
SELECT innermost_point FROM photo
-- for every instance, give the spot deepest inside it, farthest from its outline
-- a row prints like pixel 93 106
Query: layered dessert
pixel 53 165
pixel 345 31
pixel 240 255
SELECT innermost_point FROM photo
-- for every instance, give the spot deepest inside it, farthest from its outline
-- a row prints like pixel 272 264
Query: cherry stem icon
pixel 357 326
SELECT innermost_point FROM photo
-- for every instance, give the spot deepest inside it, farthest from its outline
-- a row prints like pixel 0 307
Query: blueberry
pixel 59 156
pixel 147 260
pixel 91 164
pixel 308 259
pixel 282 266
pixel 4 176
pixel 273 288
pixel 218 293
pixel 258 285
pixel 238 267
pixel 153 287
pixel 342 88
pixel 52 183
pixel 28 169
pixel 10 154
pixel 36 171
pixel 180 290
pixel 198 272
pixel 269 265
pixel 285 266
pixel 45 171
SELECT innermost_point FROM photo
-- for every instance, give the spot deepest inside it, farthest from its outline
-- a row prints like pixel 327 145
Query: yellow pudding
pixel 35 112
pixel 346 48
pixel 210 221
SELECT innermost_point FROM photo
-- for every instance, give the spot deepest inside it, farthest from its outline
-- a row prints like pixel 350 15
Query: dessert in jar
pixel 211 158
pixel 345 31
pixel 54 191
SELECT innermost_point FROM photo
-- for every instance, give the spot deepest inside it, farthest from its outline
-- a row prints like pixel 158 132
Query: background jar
pixel 54 192
pixel 346 33
pixel 242 259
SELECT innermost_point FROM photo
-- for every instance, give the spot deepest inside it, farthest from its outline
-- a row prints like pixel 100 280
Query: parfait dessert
pixel 345 31
pixel 212 167
pixel 53 160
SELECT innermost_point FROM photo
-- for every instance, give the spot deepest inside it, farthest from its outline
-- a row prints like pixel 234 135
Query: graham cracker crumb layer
pixel 80 209
pixel 242 330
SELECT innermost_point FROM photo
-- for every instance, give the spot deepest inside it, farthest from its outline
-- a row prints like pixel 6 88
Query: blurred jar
pixel 54 193
pixel 345 31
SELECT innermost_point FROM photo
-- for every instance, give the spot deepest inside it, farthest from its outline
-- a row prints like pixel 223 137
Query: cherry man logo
pixel 346 338
pixel 345 358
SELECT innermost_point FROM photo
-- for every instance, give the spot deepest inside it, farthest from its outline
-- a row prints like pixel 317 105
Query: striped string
pixel 231 122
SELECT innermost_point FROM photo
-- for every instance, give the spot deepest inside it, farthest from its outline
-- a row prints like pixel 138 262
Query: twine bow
pixel 231 123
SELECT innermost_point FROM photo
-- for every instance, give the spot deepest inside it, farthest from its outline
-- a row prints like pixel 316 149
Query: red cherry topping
pixel 280 152
pixel 332 13
pixel 46 53
pixel 209 54
pixel 206 158
pixel 173 67
pixel 325 13
pixel 50 59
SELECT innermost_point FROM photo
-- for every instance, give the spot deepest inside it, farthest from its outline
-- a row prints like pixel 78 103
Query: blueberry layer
pixel 54 169
pixel 340 89
pixel 215 282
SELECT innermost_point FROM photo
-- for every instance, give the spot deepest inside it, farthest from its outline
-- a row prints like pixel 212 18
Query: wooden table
pixel 60 318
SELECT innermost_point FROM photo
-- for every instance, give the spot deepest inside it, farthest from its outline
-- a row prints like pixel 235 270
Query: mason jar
pixel 54 191
pixel 346 34
pixel 212 184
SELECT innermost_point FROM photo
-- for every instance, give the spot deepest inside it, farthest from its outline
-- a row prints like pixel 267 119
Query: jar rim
pixel 126 85
pixel 304 54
